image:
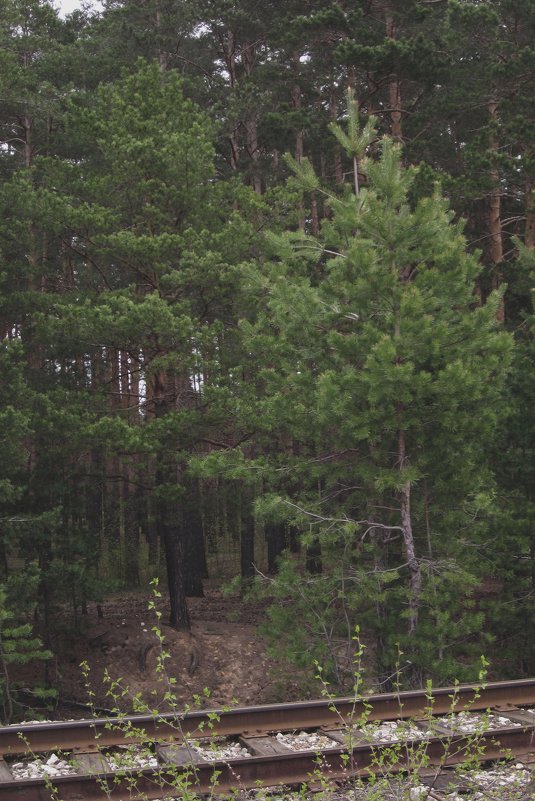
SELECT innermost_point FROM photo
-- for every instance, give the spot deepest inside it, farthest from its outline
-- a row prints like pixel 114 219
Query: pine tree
pixel 18 646
pixel 390 377
pixel 151 240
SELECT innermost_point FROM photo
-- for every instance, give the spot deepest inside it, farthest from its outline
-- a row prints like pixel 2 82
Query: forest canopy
pixel 266 293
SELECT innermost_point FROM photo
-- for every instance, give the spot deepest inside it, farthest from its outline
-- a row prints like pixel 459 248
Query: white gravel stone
pixel 502 783
pixel 219 750
pixel 131 758
pixel 392 731
pixel 471 722
pixel 306 741
pixel 38 769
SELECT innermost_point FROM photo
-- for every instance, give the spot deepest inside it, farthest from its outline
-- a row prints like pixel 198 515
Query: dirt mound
pixel 223 654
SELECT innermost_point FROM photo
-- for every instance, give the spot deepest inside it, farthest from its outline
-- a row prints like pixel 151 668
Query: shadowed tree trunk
pixel 276 544
pixel 494 215
pixel 529 235
pixel 337 153
pixel 394 90
pixel 195 568
pixel 247 534
pixel 313 562
pixel 172 538
pixel 169 518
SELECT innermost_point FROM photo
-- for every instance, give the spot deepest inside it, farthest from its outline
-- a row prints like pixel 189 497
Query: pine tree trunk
pixel 174 556
pixel 300 135
pixel 27 126
pixel 153 541
pixel 251 128
pixel 415 586
pixel 130 528
pixel 161 54
pixel 112 489
pixel 394 98
pixel 529 231
pixel 131 493
pixel 394 91
pixel 337 155
pixel 314 214
pixel 169 521
pixel 229 55
pixel 247 536
pixel 195 562
pixel 276 543
pixel 384 664
pixel 313 562
pixel 494 216
pixel 152 528
pixel 251 145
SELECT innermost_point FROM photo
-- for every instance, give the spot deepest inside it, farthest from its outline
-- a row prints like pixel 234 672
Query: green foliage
pixel 390 348
pixel 18 646
pixel 15 423
pixel 314 326
pixel 304 172
pixel 358 138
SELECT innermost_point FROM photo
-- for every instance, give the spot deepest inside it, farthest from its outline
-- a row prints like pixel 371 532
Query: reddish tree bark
pixel 494 215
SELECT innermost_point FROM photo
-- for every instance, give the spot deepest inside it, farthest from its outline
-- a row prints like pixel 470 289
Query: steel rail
pixel 82 734
pixel 221 777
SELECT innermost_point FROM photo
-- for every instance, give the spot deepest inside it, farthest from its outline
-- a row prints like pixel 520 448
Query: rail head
pixel 80 734
pixel 220 777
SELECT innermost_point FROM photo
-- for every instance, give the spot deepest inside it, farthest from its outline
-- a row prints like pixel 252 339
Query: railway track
pixel 145 757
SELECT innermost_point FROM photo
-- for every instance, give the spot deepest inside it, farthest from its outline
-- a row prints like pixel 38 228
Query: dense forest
pixel 267 276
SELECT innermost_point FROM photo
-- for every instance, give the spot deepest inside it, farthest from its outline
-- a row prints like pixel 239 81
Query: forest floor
pixel 224 654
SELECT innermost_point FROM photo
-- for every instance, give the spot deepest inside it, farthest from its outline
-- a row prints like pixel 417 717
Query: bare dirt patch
pixel 223 653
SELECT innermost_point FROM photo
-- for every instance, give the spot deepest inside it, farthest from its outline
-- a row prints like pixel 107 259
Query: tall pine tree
pixel 389 376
